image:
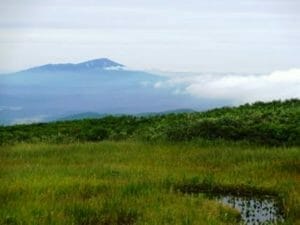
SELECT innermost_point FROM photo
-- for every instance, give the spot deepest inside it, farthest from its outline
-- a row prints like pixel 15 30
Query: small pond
pixel 254 210
pixel 255 207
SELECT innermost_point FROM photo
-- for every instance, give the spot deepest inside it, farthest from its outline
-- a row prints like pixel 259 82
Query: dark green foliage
pixel 85 215
pixel 95 134
pixel 11 221
pixel 273 123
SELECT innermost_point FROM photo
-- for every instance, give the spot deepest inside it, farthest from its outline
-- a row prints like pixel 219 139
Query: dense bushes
pixel 273 123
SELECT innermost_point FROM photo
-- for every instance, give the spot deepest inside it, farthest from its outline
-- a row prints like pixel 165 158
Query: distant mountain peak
pixel 95 64
pixel 100 63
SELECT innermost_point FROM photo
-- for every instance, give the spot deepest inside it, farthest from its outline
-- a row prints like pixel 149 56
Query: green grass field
pixel 132 182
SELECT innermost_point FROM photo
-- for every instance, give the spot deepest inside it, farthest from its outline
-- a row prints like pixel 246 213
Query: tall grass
pixel 135 183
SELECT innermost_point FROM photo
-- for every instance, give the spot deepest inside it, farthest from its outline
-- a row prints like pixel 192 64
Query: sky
pixel 249 36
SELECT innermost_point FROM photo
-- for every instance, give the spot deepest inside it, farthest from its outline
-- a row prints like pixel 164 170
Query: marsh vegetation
pixel 154 170
pixel 137 183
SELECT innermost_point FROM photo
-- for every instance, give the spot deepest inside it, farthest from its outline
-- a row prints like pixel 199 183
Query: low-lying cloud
pixel 29 120
pixel 10 108
pixel 238 88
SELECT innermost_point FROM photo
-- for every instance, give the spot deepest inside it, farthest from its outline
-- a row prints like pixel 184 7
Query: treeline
pixel 272 123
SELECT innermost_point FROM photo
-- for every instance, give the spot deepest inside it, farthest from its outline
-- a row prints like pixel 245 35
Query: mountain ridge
pixel 97 115
pixel 94 64
pixel 50 91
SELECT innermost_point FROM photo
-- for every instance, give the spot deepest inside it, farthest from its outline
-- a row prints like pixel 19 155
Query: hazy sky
pixel 175 35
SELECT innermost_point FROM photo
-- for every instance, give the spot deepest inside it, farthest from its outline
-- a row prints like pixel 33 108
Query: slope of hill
pixel 273 123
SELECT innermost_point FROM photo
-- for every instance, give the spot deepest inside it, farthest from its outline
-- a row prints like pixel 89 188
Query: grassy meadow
pixel 134 182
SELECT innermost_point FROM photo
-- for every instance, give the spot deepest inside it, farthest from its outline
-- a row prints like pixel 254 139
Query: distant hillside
pixel 80 116
pixel 166 112
pixel 95 115
pixel 272 123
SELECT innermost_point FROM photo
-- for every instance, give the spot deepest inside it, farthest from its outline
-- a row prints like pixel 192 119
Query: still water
pixel 254 211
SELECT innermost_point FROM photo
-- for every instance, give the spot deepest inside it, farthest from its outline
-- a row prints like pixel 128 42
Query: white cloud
pixel 239 88
pixel 159 84
pixel 10 108
pixel 29 120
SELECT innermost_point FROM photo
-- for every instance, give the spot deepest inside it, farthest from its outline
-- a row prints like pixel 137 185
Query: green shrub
pixel 273 123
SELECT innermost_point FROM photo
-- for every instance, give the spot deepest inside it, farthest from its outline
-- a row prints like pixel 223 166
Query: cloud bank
pixel 237 88
pixel 10 108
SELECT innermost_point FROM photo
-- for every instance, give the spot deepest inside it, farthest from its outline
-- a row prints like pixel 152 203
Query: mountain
pixel 174 111
pixel 45 93
pixel 96 64
pixel 80 116
pixel 94 115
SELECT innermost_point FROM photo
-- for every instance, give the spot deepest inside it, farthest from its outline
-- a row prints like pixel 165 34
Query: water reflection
pixel 255 211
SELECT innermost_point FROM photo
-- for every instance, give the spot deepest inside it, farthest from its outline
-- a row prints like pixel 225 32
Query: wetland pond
pixel 254 210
